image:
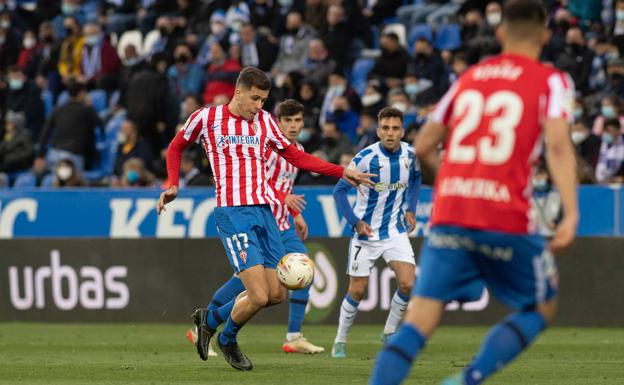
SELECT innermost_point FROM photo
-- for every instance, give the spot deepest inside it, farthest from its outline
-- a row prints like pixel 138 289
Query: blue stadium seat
pixel 62 98
pixel 48 101
pixel 419 31
pixel 359 74
pixel 25 181
pixel 448 37
pixel 48 181
pixel 98 100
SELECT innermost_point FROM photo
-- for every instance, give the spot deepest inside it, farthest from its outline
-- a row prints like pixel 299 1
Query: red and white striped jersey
pixel 282 177
pixel 238 150
pixel 495 113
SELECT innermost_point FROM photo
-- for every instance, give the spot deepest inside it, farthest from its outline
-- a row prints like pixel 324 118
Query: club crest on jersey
pixel 244 140
pixel 406 163
pixel 243 256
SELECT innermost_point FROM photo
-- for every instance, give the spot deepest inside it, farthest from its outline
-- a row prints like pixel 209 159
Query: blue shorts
pixel 456 263
pixel 250 236
pixel 291 242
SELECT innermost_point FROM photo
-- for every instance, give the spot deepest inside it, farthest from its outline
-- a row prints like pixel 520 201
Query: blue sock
pixel 216 317
pixel 395 359
pixel 227 292
pixel 230 330
pixel 504 342
pixel 298 303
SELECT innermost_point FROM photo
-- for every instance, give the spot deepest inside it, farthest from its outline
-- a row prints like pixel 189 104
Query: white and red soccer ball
pixel 295 271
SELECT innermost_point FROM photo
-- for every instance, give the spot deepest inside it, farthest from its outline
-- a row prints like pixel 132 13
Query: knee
pixel 278 296
pixel 405 287
pixel 548 310
pixel 258 299
pixel 357 291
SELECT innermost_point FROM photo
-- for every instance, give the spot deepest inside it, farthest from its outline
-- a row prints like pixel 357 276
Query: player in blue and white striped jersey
pixel 382 219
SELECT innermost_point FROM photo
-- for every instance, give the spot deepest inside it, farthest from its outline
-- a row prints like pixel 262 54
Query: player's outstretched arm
pixel 426 145
pixel 342 201
pixel 562 166
pixel 308 162
pixel 174 156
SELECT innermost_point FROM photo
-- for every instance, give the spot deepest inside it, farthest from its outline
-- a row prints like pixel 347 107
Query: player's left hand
pixel 564 234
pixel 295 202
pixel 410 218
pixel 167 196
pixel 356 178
pixel 301 227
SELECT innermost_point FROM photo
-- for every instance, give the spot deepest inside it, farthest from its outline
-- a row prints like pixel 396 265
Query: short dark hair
pixel 391 36
pixel 612 122
pixel 525 12
pixel 250 77
pixel 74 87
pixel 289 107
pixel 389 112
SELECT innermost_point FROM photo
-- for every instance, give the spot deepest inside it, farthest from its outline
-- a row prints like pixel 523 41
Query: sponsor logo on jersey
pixel 243 140
pixel 381 186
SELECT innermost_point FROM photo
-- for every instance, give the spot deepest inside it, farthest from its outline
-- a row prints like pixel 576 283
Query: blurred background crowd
pixel 92 91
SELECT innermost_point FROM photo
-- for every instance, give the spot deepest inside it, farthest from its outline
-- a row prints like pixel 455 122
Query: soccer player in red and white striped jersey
pixel 237 138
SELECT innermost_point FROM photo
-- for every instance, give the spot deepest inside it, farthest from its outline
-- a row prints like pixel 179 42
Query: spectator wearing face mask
pixel 335 142
pixel 44 65
pixel 135 175
pixel 186 77
pixel 16 146
pixel 427 64
pixel 373 99
pixel 70 54
pixel 338 86
pixel 293 47
pixel 337 35
pixel 70 9
pixel 130 146
pixel 66 175
pixel 99 63
pixel 345 118
pixel 545 203
pixel 366 131
pixel 169 37
pixel 610 108
pixel 610 167
pixel 618 25
pixel 392 64
pixel 221 73
pixel 29 49
pixel 587 145
pixel 24 97
pixel 132 63
pixel 256 49
pixel 576 59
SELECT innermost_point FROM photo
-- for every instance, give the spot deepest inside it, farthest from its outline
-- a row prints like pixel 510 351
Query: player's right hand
pixel 564 235
pixel 363 228
pixel 356 178
pixel 167 196
pixel 295 202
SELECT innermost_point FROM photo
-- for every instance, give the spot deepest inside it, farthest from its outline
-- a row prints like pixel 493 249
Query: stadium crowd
pixel 92 91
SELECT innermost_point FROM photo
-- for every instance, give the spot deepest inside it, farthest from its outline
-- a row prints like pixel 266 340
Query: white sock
pixel 292 336
pixel 397 309
pixel 348 311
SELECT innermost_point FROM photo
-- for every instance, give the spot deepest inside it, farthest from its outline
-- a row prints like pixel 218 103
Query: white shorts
pixel 364 254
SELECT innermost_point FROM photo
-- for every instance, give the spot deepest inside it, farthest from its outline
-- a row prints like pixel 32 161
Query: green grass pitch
pixel 33 353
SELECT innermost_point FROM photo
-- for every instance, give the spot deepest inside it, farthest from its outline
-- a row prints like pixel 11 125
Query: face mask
pixel 16 84
pixel 608 112
pixel 304 136
pixel 613 55
pixel 619 15
pixel 339 89
pixel 607 138
pixel 578 113
pixel 122 137
pixel 411 89
pixel 29 42
pixel 400 106
pixel 493 18
pixel 64 173
pixel 132 177
pixel 92 41
pixel 539 184
pixel 5 24
pixel 369 100
pixel 285 3
pixel 420 56
pixel 339 112
pixel 69 30
pixel 68 9
pixel 578 137
pixel 131 61
pixel 217 29
pixel 48 39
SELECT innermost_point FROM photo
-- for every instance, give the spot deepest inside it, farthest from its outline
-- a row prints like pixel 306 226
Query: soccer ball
pixel 295 271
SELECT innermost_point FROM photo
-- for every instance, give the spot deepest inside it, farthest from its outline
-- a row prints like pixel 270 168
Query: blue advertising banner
pixel 131 213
